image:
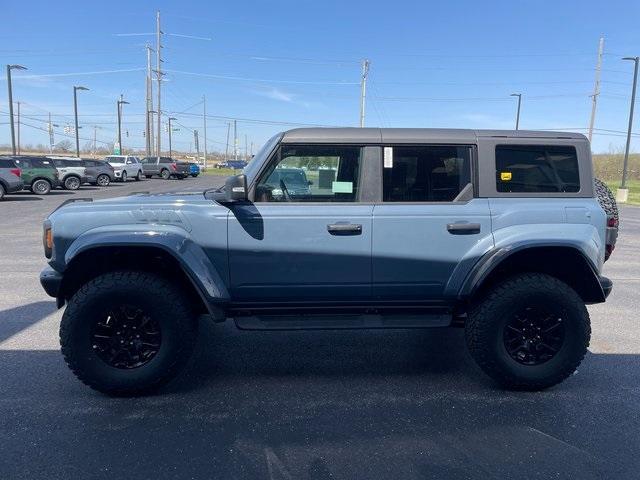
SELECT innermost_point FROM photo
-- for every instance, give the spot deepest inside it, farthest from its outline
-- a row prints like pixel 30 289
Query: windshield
pixel 114 159
pixel 251 170
pixel 295 178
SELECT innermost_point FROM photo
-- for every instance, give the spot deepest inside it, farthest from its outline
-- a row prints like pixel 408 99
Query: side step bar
pixel 341 322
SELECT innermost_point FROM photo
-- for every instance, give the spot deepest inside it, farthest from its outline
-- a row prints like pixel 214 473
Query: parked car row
pixel 41 174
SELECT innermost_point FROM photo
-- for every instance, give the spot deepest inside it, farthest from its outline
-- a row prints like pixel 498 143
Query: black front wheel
pixel 529 332
pixel 127 333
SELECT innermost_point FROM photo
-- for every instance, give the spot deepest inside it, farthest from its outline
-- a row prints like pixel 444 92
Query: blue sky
pixel 433 64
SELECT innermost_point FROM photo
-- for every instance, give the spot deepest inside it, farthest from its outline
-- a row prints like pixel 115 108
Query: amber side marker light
pixel 48 242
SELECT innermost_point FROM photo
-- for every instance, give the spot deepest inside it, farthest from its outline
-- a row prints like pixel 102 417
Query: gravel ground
pixel 346 404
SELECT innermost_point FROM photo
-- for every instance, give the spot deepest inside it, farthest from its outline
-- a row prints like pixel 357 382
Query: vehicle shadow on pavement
pixel 350 404
pixel 14 320
pixel 18 197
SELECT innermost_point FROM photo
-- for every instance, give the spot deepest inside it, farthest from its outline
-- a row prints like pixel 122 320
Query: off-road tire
pixel 2 192
pixel 123 177
pixel 139 176
pixel 606 198
pixel 41 186
pixel 165 303
pixel 165 174
pixel 488 317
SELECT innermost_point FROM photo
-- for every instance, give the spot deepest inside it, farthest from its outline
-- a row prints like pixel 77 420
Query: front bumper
pixel 51 281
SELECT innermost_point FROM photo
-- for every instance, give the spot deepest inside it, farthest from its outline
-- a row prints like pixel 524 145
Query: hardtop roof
pixel 412 135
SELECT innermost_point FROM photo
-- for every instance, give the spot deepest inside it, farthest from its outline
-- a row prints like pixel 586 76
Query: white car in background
pixel 125 167
pixel 71 171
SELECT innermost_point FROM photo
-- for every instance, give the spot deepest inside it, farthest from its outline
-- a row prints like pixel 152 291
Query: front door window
pixel 311 173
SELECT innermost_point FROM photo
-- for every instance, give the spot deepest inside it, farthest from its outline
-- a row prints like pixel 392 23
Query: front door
pixel 429 224
pixel 306 237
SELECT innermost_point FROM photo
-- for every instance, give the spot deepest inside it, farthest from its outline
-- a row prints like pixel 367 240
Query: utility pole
pixel 95 139
pixel 235 140
pixel 519 95
pixel 623 185
pixel 170 150
pixel 204 121
pixel 18 103
pixel 159 78
pixel 596 87
pixel 226 150
pixel 13 133
pixel 51 139
pixel 120 103
pixel 363 89
pixel 149 105
pixel 75 114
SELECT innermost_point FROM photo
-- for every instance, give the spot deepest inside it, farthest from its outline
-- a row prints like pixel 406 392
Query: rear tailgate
pixel 183 168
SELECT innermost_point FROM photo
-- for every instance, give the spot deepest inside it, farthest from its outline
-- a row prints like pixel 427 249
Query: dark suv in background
pixel 10 177
pixel 98 172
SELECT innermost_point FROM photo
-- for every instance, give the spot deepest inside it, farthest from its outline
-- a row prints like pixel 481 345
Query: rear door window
pixel 536 169
pixel 425 173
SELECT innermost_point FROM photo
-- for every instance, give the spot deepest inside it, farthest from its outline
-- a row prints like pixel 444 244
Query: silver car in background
pixel 10 177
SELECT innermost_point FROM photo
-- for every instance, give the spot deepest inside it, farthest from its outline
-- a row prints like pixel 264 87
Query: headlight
pixel 47 239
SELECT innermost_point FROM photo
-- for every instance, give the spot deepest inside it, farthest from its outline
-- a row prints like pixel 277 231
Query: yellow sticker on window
pixel 505 176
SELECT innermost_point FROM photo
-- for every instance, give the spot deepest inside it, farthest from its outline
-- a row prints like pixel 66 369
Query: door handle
pixel 344 229
pixel 463 228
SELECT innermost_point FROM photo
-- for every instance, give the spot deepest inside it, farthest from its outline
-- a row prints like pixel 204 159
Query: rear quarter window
pixel 6 163
pixel 537 169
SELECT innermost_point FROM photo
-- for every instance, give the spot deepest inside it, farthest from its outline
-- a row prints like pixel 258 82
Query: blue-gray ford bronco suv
pixel 498 232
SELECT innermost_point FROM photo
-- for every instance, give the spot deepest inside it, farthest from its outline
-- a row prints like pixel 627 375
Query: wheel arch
pixel 563 261
pixel 175 257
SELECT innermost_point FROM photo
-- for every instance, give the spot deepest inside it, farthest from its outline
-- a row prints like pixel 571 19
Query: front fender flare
pixel 174 241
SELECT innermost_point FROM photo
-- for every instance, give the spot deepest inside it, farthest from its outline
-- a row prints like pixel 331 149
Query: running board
pixel 341 322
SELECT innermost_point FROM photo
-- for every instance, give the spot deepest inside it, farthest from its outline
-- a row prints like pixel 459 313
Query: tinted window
pixel 24 163
pixel 90 163
pixel 311 173
pixel 42 163
pixel 6 163
pixel 425 173
pixel 533 168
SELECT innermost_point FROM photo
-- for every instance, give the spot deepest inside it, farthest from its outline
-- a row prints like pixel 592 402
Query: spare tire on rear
pixel 606 198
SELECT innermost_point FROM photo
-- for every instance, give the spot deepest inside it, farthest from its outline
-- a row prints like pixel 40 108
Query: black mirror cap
pixel 235 189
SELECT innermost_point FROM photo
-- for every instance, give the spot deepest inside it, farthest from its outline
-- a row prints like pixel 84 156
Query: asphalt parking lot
pixel 346 404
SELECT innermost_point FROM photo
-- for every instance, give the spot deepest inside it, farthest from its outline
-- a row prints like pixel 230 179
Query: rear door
pixel 307 236
pixel 429 221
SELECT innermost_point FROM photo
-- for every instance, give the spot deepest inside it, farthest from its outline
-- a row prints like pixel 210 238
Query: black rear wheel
pixel 529 332
pixel 165 174
pixel 2 192
pixel 127 333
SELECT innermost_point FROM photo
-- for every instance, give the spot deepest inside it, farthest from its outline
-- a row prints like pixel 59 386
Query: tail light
pixel 612 222
pixel 174 167
pixel 16 172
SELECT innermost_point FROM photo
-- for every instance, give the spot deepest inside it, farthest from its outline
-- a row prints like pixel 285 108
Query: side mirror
pixel 235 190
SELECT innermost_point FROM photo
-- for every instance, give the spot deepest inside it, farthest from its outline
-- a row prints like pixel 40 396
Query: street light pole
pixel 75 113
pixel 13 131
pixel 170 151
pixel 519 95
pixel 625 166
pixel 120 103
